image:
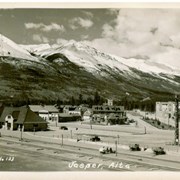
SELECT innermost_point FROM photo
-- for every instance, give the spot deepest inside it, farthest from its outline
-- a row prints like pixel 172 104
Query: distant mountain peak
pixel 10 48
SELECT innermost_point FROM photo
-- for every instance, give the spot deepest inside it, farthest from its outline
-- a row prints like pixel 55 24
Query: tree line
pixel 95 99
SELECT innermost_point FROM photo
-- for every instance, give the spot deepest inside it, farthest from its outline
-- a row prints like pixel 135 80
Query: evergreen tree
pixel 97 98
pixel 72 101
pixel 80 99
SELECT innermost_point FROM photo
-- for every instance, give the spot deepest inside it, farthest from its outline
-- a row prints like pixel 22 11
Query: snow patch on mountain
pixel 104 64
pixel 9 48
pixel 87 57
pixel 35 47
pixel 148 66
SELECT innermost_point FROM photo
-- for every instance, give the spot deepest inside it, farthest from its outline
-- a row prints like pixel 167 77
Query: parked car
pixel 135 147
pixel 95 138
pixel 159 151
pixel 106 150
pixel 63 128
pixel 131 120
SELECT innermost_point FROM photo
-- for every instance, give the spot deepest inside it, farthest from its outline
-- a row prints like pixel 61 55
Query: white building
pixel 87 116
pixel 165 111
pixel 110 102
pixel 72 110
pixel 47 112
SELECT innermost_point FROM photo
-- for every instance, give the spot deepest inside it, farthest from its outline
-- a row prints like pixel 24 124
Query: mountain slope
pixel 9 48
pixel 74 68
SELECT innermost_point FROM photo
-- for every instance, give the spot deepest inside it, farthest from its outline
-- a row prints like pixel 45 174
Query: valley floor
pixel 53 150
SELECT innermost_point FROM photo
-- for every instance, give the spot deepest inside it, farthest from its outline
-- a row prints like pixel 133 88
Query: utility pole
pixel 71 134
pixel 62 140
pixel 34 130
pixel 116 147
pixel 176 140
pixel 90 124
pixel 118 139
pixel 144 129
pixel 21 127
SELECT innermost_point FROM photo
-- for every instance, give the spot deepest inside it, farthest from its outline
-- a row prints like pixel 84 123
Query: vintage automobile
pixel 135 147
pixel 95 138
pixel 158 151
pixel 106 150
pixel 63 128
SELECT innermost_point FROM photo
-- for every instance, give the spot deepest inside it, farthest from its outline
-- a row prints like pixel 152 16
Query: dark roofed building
pixel 109 114
pixel 107 109
pixel 64 117
pixel 13 118
pixel 47 112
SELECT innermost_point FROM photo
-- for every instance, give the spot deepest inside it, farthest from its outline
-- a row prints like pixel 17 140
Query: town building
pixel 47 112
pixel 16 118
pixel 110 102
pixel 69 109
pixel 109 114
pixel 165 111
pixel 64 117
pixel 87 115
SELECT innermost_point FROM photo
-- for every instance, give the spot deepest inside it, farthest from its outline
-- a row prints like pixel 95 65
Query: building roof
pixel 67 115
pixel 88 112
pixel 106 108
pixel 7 111
pixel 49 108
pixel 23 115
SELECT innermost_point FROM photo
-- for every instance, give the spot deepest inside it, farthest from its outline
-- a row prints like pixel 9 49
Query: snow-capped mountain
pixel 35 48
pixel 66 70
pixel 9 48
pixel 92 59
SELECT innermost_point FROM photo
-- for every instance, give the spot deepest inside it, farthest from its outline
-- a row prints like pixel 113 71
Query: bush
pixel 158 123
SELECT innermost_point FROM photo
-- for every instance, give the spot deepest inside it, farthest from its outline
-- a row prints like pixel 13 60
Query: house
pixel 69 109
pixel 102 113
pixel 109 102
pixel 87 116
pixel 15 118
pixel 64 117
pixel 47 112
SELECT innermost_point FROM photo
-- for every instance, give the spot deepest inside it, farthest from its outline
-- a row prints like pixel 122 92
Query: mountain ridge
pixel 74 68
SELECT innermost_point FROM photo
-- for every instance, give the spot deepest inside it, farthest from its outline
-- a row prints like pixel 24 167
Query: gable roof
pixel 7 111
pixel 22 114
pixel 30 117
pixel 49 108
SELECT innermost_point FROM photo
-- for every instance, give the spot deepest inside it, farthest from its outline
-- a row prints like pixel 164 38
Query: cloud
pixel 54 26
pixel 107 30
pixel 61 41
pixel 142 32
pixel 40 39
pixel 77 22
pixel 113 11
pixel 45 28
pixel 88 14
pixel 33 25
pixel 84 36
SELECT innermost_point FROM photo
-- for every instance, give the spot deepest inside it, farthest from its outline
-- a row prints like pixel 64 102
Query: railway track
pixel 91 155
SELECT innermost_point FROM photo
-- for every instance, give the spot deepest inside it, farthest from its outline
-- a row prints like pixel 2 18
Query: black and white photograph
pixel 89 89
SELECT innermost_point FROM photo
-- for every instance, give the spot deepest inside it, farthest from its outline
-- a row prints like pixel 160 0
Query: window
pixel 9 116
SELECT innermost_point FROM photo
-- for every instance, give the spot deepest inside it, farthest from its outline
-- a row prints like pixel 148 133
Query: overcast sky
pixel 152 34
